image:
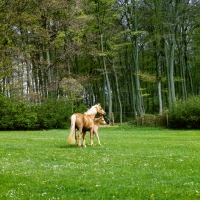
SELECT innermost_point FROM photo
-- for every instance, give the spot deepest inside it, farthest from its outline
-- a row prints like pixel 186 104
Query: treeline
pixel 55 114
pixel 134 57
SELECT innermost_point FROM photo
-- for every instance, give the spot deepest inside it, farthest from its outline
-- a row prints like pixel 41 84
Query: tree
pixel 134 57
pixel 72 90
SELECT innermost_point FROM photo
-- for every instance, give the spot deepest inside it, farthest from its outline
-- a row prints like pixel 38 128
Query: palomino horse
pixel 84 122
pixel 97 121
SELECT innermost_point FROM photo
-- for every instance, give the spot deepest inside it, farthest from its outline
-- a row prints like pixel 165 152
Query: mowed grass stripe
pixel 132 163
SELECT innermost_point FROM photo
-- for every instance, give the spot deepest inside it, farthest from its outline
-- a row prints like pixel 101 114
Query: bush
pixel 25 116
pixel 51 114
pixel 185 114
pixel 80 108
pixel 151 120
pixel 6 113
pixel 54 114
pixel 17 116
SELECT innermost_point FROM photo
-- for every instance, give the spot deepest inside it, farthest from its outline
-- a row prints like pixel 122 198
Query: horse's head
pixel 100 109
pixel 95 109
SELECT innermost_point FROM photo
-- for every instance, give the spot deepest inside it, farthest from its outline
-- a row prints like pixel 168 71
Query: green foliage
pixel 50 114
pixel 25 116
pixel 17 115
pixel 59 40
pixel 150 120
pixel 54 114
pixel 185 114
pixel 80 108
pixel 6 113
pixel 72 88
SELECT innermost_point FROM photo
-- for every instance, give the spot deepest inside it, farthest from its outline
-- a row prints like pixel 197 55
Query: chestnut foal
pixel 97 121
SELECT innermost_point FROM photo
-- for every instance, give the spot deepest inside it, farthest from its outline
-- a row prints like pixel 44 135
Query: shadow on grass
pixel 74 146
pixel 68 146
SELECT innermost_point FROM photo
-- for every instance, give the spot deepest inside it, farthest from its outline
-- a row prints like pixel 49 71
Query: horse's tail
pixel 71 138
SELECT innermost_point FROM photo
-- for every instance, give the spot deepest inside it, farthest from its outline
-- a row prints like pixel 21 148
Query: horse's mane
pixel 91 111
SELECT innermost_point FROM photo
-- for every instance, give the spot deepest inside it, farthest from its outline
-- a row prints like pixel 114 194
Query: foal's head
pixel 99 120
pixel 102 120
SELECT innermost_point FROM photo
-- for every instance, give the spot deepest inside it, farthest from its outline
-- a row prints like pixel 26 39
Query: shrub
pixel 151 120
pixel 16 115
pixel 80 108
pixel 51 114
pixel 54 114
pixel 185 114
pixel 6 113
pixel 25 116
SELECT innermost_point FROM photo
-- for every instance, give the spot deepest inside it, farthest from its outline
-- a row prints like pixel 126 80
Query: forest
pixel 135 57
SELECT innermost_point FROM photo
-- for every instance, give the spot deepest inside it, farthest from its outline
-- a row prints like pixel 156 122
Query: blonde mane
pixel 92 110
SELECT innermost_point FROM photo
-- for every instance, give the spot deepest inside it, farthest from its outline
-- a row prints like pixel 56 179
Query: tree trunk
pixel 139 100
pixel 118 93
pixel 168 76
pixel 107 81
pixel 171 69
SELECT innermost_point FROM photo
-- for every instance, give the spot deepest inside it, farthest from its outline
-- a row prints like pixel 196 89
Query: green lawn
pixel 132 163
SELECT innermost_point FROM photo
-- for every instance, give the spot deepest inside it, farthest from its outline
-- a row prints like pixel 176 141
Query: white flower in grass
pixel 44 193
pixel 97 185
pixel 10 193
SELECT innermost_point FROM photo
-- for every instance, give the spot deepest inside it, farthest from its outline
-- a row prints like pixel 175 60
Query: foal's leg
pixel 97 135
pixel 84 138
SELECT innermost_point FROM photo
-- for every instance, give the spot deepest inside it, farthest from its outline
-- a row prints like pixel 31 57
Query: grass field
pixel 132 163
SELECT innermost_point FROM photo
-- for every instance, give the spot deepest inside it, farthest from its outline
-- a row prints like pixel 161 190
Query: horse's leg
pixel 84 138
pixel 79 137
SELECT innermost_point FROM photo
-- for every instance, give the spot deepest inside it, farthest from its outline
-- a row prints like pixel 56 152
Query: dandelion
pixel 152 195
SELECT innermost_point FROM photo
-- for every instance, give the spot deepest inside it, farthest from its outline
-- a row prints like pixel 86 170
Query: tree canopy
pixel 134 57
